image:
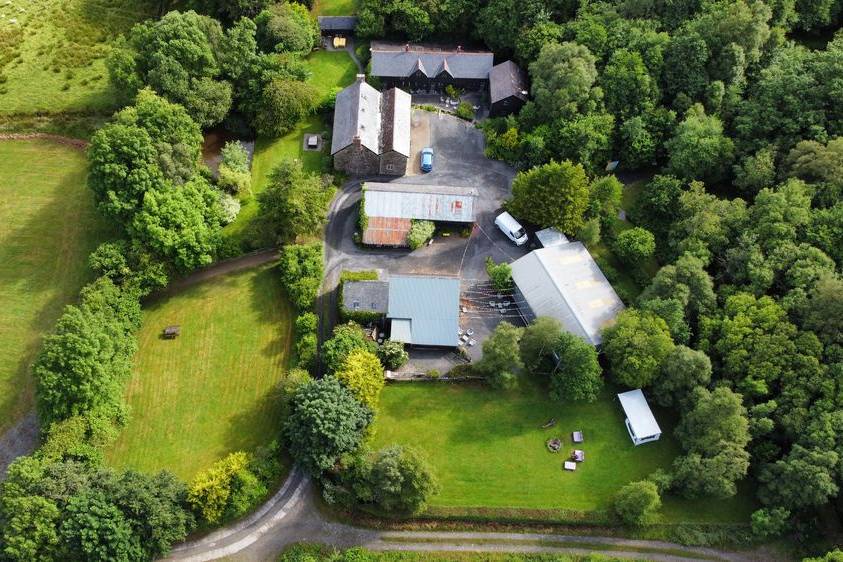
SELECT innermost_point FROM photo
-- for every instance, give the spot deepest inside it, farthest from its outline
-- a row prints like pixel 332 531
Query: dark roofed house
pixel 429 67
pixel 337 25
pixel 371 130
pixel 507 89
pixel 365 296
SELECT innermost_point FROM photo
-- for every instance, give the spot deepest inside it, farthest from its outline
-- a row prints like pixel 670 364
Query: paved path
pixel 17 441
pixel 292 516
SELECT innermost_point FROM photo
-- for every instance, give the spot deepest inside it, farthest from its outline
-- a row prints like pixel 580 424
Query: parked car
pixel 511 228
pixel 427 159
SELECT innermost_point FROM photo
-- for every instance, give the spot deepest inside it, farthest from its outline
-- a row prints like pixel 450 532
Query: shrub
pixel 637 502
pixel 420 232
pixel 634 245
pixel 500 274
pixel 301 273
pixel 230 208
pixel 234 181
pixel 465 111
pixel 211 489
pixel 392 355
pixel 362 374
pixel 402 481
pixel 345 339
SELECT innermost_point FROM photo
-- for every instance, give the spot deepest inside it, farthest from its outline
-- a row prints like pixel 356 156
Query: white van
pixel 511 228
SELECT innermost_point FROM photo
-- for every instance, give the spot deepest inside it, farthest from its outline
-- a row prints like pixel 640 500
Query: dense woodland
pixel 733 123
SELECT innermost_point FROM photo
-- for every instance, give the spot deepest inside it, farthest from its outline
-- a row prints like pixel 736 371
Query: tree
pixel 818 164
pixel 705 224
pixel 637 502
pixel 686 59
pixel 717 419
pixel 604 199
pixel 283 103
pixel 804 478
pixel 392 354
pixel 325 421
pixel 181 224
pixel 658 205
pixel 823 313
pixel 555 194
pixel 586 139
pixel 578 375
pixel 287 27
pixel 538 344
pixel 770 522
pixel 635 347
pixel 362 373
pixel 31 531
pixel 563 81
pixel 634 245
pixel 629 89
pixel 301 273
pixel 345 339
pixel 402 480
pixel 637 145
pixel 682 370
pixel 500 274
pixel 500 352
pixel 752 344
pixel 699 149
pixel 294 202
pixel 177 56
pixel 94 529
pixel 756 171
pixel 82 365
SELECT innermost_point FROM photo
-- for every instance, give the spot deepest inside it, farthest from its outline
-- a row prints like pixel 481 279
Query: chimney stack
pixel 361 77
pixel 459 48
pixel 356 140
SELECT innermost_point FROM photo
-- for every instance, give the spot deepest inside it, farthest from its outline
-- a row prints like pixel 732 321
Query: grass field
pixel 331 69
pixel 334 7
pixel 48 226
pixel 488 450
pixel 268 152
pixel 211 391
pixel 52 55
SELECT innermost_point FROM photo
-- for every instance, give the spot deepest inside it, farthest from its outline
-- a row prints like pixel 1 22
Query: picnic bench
pixel 171 332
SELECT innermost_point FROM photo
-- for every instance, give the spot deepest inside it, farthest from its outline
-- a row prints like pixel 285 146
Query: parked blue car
pixel 427 160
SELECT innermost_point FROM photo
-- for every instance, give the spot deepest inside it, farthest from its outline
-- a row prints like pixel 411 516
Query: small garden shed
pixel 640 421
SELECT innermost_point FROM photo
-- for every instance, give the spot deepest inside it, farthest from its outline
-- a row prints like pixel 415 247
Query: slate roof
pixel 564 282
pixel 380 121
pixel 337 23
pixel 395 121
pixel 425 310
pixel 507 80
pixel 422 202
pixel 357 114
pixel 397 60
pixel 365 296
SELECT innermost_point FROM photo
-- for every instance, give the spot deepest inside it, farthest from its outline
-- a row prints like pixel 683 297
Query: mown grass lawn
pixel 212 390
pixel 334 7
pixel 48 226
pixel 488 450
pixel 331 69
pixel 268 153
pixel 55 52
